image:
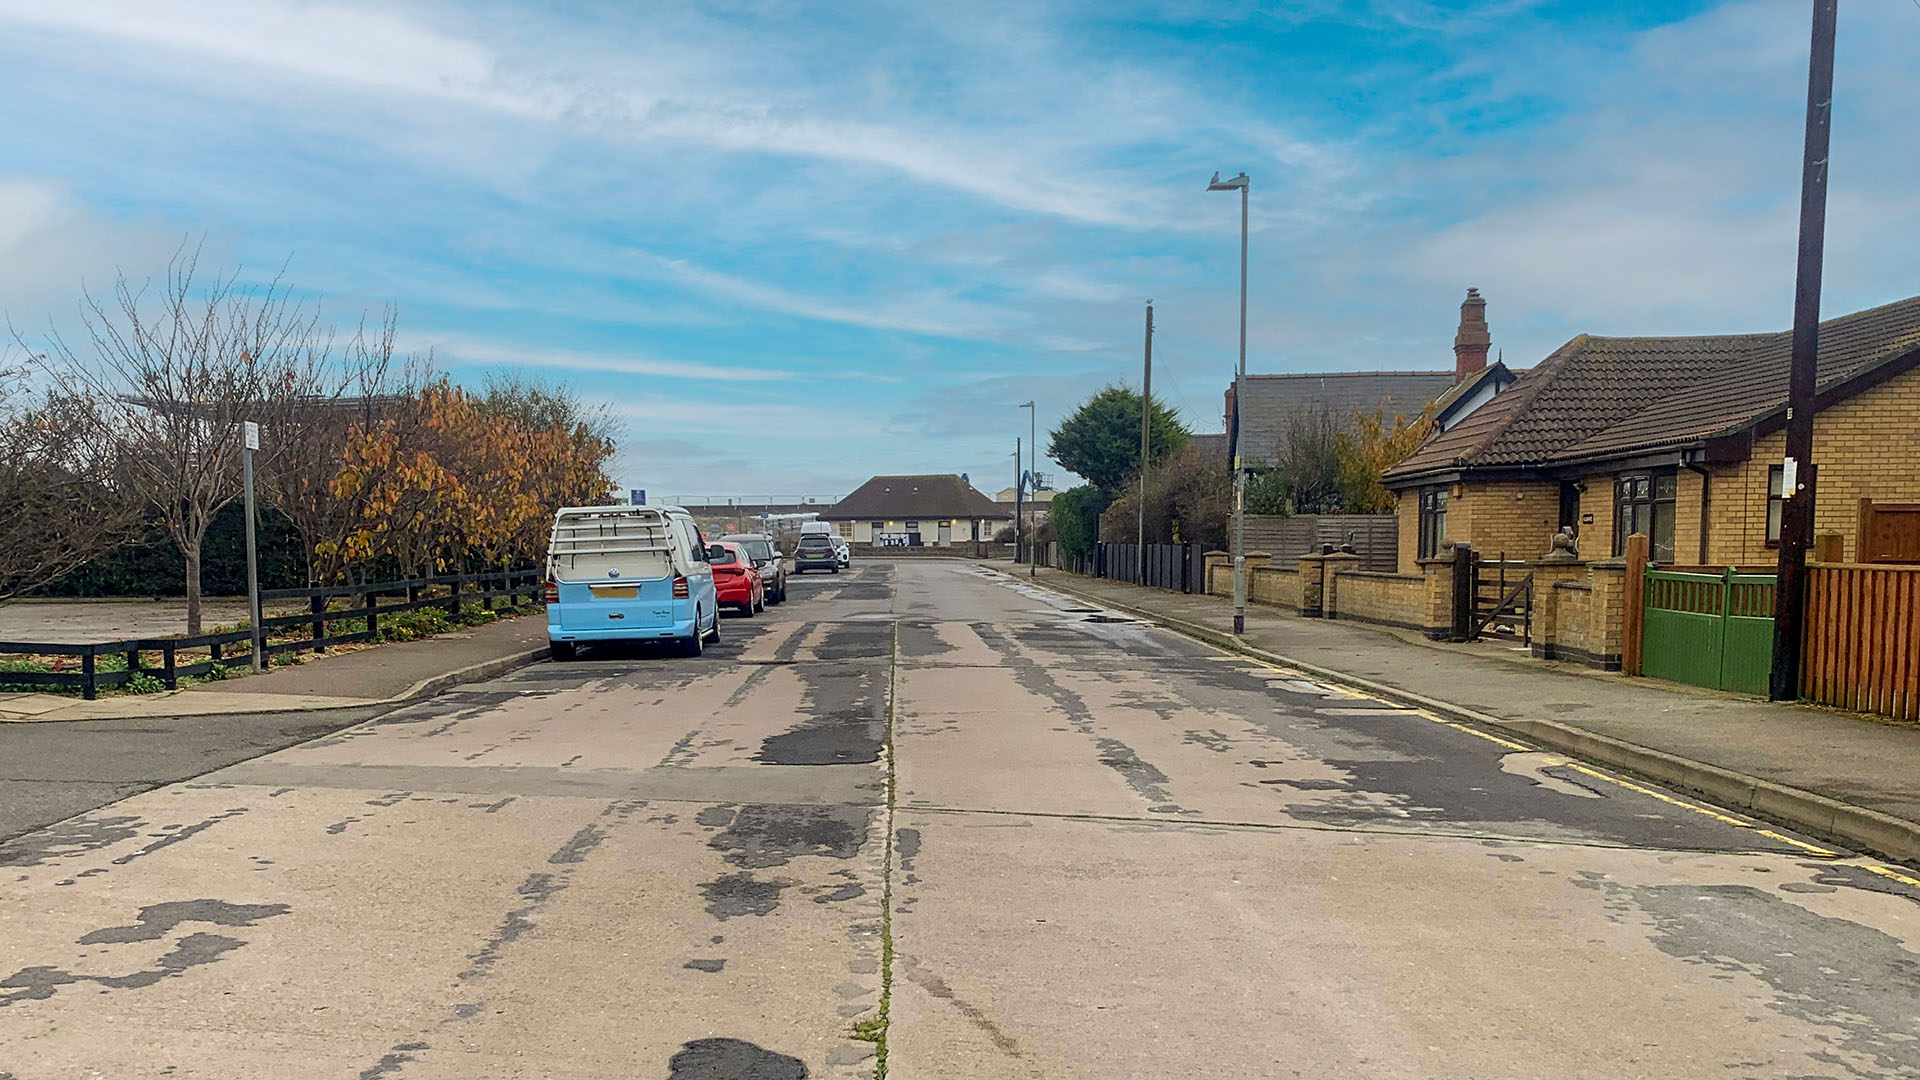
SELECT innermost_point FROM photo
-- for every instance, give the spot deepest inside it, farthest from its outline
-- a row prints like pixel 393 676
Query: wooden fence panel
pixel 1862 637
pixel 1375 537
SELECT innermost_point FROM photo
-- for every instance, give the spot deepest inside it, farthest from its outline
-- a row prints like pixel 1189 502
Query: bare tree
pixel 64 504
pixel 379 394
pixel 175 370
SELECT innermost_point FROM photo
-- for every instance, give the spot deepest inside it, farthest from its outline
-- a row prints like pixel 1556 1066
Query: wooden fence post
pixel 1463 591
pixel 317 605
pixel 1862 536
pixel 1634 604
pixel 454 592
pixel 169 671
pixel 89 676
pixel 373 616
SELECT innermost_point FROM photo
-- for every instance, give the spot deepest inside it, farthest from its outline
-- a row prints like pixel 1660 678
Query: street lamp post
pixel 1033 475
pixel 1233 432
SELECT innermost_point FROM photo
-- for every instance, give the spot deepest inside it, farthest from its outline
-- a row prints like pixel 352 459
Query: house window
pixel 1643 502
pixel 1433 521
pixel 879 526
pixel 913 526
pixel 1776 502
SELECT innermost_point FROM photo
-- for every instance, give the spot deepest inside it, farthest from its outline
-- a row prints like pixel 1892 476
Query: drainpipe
pixel 1706 505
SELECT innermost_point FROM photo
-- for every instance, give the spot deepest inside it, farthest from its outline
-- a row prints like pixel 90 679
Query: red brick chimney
pixel 1470 345
pixel 1227 416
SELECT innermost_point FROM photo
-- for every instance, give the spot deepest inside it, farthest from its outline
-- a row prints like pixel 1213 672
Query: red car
pixel 735 579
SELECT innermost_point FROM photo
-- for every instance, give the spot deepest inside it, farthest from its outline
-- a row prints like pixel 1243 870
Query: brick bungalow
pixel 939 510
pixel 1678 437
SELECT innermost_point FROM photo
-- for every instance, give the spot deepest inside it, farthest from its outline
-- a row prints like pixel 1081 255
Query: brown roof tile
pixel 1272 403
pixel 1599 397
pixel 901 498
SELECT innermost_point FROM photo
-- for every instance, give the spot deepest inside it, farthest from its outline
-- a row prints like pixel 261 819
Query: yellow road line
pixel 1726 819
pixel 1808 848
pixel 1888 872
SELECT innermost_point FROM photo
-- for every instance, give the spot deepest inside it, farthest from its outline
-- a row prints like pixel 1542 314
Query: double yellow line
pixel 1803 846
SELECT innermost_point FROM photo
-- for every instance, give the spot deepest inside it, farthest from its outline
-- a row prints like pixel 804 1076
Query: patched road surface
pixel 1098 850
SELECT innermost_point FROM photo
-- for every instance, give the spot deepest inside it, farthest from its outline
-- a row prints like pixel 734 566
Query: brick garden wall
pixel 1279 586
pixel 1388 599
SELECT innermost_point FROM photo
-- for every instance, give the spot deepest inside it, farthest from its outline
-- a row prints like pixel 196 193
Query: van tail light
pixel 553 592
pixel 680 589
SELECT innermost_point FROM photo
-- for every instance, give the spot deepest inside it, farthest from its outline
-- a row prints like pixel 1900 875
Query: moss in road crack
pixel 875 1029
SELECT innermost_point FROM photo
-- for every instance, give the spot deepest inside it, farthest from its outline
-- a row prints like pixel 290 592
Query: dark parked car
pixel 816 552
pixel 767 559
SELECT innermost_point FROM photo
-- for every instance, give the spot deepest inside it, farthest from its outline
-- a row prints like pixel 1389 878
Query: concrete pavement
pixel 63 755
pixel 1096 849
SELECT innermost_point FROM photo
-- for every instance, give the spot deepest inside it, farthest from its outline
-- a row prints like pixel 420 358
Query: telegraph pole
pixel 1797 471
pixel 1146 440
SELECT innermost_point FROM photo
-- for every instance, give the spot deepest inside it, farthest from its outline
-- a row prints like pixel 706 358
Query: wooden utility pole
pixel 1797 481
pixel 1146 440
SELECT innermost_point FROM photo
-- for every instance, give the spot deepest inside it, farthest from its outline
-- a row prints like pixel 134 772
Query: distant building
pixel 917 511
pixel 1036 505
pixel 1275 403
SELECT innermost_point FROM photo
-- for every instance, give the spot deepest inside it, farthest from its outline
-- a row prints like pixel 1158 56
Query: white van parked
pixel 629 573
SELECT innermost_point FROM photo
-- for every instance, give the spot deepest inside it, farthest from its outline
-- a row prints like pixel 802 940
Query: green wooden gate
pixel 1712 630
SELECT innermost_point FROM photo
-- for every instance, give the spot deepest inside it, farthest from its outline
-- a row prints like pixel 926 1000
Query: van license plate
pixel 616 592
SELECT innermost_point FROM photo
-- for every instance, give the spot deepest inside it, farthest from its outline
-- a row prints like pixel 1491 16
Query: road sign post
pixel 250 441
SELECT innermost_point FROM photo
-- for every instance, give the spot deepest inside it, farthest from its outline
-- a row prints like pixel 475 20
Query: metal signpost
pixel 250 441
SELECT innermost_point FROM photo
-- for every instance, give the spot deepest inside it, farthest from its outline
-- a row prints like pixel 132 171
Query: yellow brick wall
pixel 1517 517
pixel 1395 599
pixel 1567 625
pixel 1867 446
pixel 1407 510
pixel 1606 612
pixel 1596 539
pixel 1272 585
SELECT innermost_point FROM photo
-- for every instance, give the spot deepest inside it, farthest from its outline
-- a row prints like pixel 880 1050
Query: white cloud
pixel 50 247
pixel 928 312
pixel 507 354
pixel 358 47
pixel 1039 146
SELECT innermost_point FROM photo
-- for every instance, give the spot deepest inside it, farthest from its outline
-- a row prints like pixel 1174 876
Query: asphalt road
pixel 1034 841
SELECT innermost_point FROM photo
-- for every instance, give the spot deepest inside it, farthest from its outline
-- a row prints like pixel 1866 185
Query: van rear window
pixel 628 566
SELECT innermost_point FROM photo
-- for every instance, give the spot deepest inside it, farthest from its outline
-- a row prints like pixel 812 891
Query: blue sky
pixel 797 244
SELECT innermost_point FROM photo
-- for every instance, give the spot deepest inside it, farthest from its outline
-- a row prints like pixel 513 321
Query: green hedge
pixel 154 567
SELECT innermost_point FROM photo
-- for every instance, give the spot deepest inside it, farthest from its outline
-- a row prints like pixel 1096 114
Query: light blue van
pixel 629 573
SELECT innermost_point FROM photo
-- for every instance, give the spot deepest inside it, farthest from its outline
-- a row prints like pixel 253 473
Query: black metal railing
pixel 452 592
pixel 1179 567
